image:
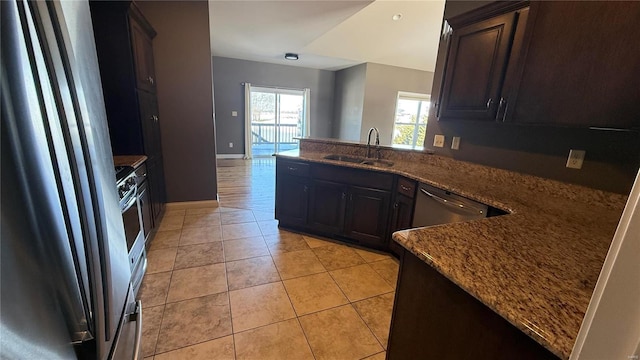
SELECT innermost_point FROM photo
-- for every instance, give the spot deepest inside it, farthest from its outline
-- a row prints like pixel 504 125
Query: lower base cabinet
pixel 348 204
pixel 435 319
pixel 367 216
pixel 328 205
pixel 401 219
pixel 292 200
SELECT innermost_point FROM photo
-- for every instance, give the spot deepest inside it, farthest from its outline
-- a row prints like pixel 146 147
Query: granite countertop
pixel 129 160
pixel 536 266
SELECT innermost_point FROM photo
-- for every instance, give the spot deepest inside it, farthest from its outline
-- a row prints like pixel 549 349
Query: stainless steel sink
pixel 377 162
pixel 351 159
pixel 359 160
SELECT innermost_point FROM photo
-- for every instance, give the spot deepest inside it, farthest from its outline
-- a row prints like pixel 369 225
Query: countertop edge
pixel 401 237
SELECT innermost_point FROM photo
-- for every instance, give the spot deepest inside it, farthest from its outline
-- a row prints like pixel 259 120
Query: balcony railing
pixel 270 133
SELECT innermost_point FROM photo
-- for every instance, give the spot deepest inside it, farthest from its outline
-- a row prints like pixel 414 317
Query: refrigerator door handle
pixel 137 316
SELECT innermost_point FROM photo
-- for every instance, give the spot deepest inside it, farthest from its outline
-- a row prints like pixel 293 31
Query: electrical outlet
pixel 455 143
pixel 230 145
pixel 576 158
pixel 438 141
pixel 234 113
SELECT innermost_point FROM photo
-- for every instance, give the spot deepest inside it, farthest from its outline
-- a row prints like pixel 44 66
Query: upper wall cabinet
pixel 478 57
pixel 141 35
pixel 481 49
pixel 553 63
pixel 582 66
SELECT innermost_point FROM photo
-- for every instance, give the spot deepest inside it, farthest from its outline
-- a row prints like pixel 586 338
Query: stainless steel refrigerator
pixel 65 276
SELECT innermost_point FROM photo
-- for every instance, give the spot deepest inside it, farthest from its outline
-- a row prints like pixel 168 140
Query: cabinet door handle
pixel 500 104
pixel 404 188
pixel 396 205
pixel 150 80
pixel 504 114
pixel 292 168
pixel 344 195
pixel 305 189
pixel 489 102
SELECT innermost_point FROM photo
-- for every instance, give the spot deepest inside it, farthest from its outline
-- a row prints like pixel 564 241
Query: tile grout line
pixel 233 337
pixel 155 348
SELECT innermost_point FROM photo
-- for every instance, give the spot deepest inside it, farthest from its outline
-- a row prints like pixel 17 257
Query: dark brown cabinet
pixel 367 216
pixel 553 63
pixel 328 206
pixel 433 318
pixel 125 55
pixel 292 193
pixel 141 36
pixel 402 213
pixel 478 56
pixel 356 213
pixel 343 203
pixel 581 66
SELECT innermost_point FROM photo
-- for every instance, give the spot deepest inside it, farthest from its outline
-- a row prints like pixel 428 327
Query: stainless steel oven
pixel 132 218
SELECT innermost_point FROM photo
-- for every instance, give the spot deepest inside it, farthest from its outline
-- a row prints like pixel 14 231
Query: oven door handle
pixel 131 202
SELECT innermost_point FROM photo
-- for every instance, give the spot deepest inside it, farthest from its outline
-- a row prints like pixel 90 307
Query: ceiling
pixel 328 34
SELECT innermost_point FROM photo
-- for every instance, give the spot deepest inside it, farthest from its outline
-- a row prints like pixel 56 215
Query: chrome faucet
pixel 377 142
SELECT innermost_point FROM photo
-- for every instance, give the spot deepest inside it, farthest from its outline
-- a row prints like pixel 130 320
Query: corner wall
pixel 183 71
pixel 383 82
pixel 349 102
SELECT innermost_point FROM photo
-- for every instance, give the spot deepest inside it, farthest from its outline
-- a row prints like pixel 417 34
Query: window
pixel 410 123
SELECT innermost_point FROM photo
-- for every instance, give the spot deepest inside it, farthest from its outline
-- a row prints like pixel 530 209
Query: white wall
pixel 381 91
pixel 611 327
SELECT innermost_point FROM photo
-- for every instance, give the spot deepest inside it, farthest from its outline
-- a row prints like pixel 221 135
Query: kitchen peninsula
pixel 535 267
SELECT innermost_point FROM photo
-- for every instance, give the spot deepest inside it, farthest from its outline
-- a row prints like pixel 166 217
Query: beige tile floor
pixel 226 283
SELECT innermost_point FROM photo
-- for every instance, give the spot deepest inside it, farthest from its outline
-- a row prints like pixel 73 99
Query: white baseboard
pixel 229 156
pixel 192 204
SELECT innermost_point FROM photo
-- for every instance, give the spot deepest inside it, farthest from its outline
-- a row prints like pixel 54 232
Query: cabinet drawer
pixel 141 174
pixel 345 175
pixel 292 168
pixel 406 187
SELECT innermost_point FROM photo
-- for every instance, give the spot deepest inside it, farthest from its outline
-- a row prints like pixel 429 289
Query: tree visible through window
pixel 410 124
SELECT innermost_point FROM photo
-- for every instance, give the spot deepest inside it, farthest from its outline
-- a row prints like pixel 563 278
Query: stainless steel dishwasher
pixel 436 206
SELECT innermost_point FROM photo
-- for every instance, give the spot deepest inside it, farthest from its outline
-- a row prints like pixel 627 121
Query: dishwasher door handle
pixel 446 202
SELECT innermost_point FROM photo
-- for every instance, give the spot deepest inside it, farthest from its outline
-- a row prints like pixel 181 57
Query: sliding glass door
pixel 277 117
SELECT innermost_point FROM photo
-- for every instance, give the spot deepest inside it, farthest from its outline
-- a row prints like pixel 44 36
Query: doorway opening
pixel 277 119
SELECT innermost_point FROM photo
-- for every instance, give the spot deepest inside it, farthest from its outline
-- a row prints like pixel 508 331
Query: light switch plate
pixel 234 113
pixel 576 158
pixel 455 143
pixel 438 141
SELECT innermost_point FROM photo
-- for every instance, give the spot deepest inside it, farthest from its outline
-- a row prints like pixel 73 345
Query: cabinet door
pixel 327 206
pixel 475 68
pixel 401 219
pixel 292 200
pixel 143 56
pixel 145 206
pixel 368 216
pixel 581 67
pixel 156 188
pixel 149 121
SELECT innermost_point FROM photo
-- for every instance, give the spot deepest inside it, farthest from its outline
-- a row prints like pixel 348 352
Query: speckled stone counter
pixel 129 160
pixel 536 266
